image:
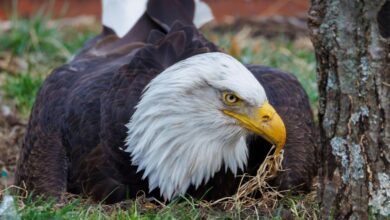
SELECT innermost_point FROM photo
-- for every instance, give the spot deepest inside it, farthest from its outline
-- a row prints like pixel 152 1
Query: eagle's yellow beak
pixel 266 123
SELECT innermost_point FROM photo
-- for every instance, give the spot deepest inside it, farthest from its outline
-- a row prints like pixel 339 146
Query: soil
pixel 12 129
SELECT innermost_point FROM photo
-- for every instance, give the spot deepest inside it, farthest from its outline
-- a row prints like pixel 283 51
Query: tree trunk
pixel 351 39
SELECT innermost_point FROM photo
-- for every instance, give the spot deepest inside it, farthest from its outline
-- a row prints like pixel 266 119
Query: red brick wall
pixel 69 8
pixel 221 8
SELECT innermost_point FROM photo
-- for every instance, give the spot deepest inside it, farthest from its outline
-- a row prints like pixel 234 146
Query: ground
pixel 31 48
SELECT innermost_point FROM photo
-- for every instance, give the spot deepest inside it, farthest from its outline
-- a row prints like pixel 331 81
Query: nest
pixel 260 184
pixel 250 187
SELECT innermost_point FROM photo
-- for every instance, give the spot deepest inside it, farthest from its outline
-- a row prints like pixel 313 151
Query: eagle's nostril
pixel 266 118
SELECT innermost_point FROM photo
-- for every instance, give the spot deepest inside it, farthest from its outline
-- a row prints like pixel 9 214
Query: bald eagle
pixel 162 110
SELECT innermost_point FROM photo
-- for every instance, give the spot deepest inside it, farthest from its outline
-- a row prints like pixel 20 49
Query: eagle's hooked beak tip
pixel 270 126
pixel 266 123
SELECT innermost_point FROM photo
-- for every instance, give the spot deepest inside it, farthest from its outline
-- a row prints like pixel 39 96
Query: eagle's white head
pixel 194 117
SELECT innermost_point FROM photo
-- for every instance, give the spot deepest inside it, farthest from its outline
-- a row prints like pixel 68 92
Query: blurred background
pixel 221 8
pixel 37 36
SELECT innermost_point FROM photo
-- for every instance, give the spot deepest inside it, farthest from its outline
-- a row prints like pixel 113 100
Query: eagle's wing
pixel 292 104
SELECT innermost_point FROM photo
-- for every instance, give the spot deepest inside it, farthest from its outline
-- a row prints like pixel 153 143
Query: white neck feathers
pixel 121 15
pixel 178 134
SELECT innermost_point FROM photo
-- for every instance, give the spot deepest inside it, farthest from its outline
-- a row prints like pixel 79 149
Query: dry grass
pixel 247 197
pixel 252 186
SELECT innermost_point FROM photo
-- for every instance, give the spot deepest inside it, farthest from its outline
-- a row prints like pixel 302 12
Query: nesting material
pixel 257 192
pixel 259 184
pixel 15 191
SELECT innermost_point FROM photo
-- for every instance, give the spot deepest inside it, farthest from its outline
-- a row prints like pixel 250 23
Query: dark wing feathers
pixel 77 124
pixel 158 16
pixel 155 36
pixel 161 12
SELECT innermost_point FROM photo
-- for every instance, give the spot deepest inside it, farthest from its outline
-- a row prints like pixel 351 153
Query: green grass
pixel 32 35
pixel 22 89
pixel 41 47
pixel 184 208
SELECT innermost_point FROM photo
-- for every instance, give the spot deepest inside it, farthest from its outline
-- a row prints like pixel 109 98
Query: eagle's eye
pixel 230 98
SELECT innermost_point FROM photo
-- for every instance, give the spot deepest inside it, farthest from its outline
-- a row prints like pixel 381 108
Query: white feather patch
pixel 203 14
pixel 121 15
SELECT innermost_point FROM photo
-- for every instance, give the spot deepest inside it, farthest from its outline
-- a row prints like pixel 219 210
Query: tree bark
pixel 351 40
